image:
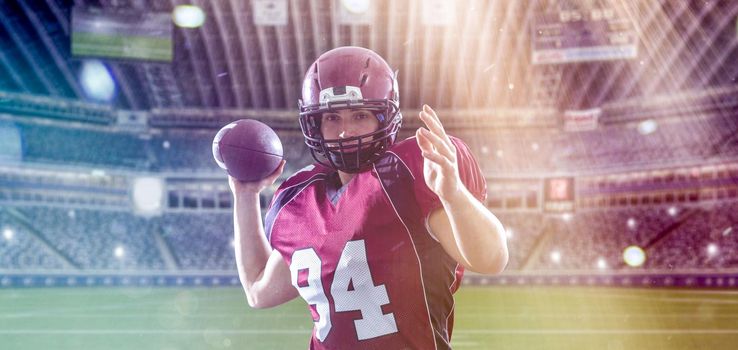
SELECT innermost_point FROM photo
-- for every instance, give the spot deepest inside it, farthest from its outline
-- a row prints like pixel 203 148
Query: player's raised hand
pixel 241 187
pixel 440 168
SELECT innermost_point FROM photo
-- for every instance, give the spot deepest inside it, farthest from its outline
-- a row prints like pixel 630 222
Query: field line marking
pixel 596 331
pixel 307 331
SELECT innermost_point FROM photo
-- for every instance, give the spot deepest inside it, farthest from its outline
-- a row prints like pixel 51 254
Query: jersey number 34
pixel 352 269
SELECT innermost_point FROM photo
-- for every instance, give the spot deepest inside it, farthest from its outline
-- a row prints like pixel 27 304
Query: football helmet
pixel 350 78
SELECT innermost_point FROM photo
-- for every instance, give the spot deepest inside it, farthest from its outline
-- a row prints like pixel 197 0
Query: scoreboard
pixel 121 34
pixel 587 32
pixel 558 195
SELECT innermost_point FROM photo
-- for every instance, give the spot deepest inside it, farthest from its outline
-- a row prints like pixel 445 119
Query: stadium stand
pixel 200 241
pixel 587 237
pixel 696 237
pixel 20 250
pixel 706 241
pixel 523 231
pixel 90 238
pixel 76 146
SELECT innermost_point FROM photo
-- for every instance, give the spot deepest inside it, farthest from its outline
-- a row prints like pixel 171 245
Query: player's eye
pixel 331 117
pixel 361 116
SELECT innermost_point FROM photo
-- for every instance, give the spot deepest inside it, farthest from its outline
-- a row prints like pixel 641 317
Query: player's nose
pixel 347 130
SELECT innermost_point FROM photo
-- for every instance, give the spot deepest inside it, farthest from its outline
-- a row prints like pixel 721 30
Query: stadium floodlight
pixel 500 154
pixel 631 223
pixel 484 149
pixel 567 216
pixel 356 6
pixel 556 256
pixel 712 249
pixel 601 264
pixel 165 144
pixel 188 16
pixel 148 195
pixel 96 81
pixel 647 127
pixel 534 146
pixel 509 232
pixel 673 211
pixel 634 256
pixel 8 233
pixel 119 252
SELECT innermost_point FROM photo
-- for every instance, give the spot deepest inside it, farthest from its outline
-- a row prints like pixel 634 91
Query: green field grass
pixel 486 318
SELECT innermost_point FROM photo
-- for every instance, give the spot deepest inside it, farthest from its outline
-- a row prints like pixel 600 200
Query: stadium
pixel 605 130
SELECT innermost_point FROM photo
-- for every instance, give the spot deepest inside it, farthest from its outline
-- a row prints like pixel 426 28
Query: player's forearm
pixel 479 235
pixel 251 247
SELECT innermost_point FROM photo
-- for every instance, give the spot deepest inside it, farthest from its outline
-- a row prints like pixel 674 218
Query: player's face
pixel 347 123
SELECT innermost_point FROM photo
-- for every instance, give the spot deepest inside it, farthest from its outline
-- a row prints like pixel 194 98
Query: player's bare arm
pixel 263 273
pixel 466 229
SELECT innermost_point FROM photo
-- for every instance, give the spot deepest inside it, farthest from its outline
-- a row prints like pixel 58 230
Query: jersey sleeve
pixel 469 172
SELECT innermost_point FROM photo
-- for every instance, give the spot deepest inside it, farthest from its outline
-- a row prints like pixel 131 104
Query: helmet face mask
pixel 350 154
pixel 350 78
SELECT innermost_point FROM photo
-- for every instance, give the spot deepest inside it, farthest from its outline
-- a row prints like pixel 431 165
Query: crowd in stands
pixel 678 239
pixel 709 239
pixel 75 146
pixel 596 239
pixel 200 241
pixel 523 230
pixel 20 250
pixel 607 147
pixel 697 236
pixel 95 239
pixel 498 151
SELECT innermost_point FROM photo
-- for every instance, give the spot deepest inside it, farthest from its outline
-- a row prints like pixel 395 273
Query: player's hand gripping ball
pixel 248 150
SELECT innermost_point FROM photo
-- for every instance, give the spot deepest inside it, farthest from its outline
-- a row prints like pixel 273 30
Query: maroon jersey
pixel 362 256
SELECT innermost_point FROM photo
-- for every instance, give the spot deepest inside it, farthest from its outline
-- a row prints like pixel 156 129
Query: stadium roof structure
pixel 480 59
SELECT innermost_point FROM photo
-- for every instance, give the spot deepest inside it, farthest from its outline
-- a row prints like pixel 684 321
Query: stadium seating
pixel 200 241
pixel 89 238
pixel 676 239
pixel 72 146
pixel 707 241
pixel 590 236
pixel 20 250
pixel 523 230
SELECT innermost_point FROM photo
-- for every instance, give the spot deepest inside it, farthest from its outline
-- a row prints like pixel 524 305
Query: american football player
pixel 376 234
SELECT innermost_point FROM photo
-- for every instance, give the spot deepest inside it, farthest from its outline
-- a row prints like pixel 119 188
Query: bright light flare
pixel 712 249
pixel 634 256
pixel 647 127
pixel 673 211
pixel 188 16
pixel 8 234
pixel 601 264
pixel 632 223
pixel 148 193
pixel 119 252
pixel 96 81
pixel 556 256
pixel 356 6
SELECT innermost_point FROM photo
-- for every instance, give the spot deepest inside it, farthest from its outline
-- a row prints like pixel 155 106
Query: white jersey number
pixel 352 289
